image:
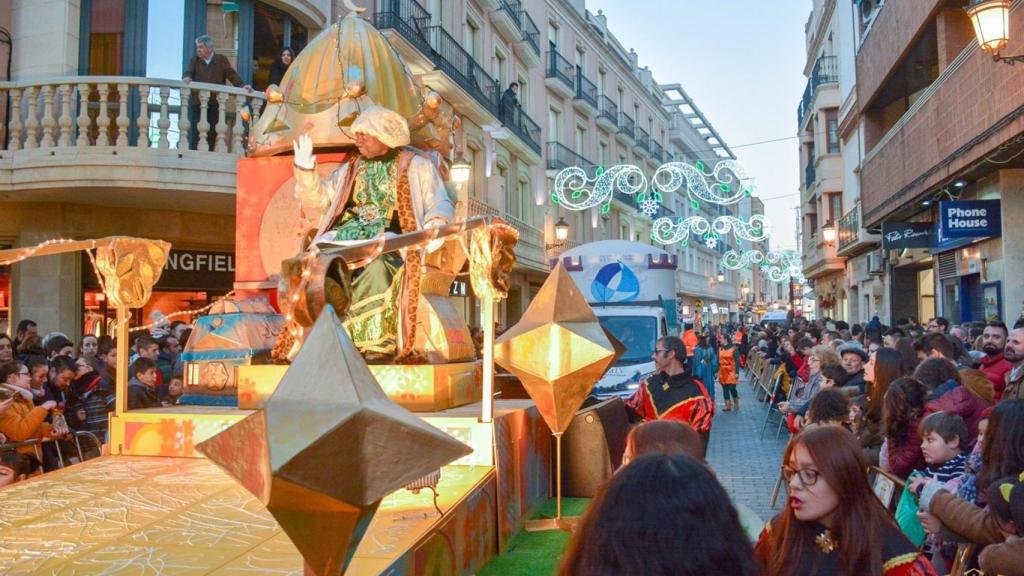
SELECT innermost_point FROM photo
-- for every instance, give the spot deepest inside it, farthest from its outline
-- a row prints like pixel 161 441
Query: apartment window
pixel 525 212
pixel 623 232
pixel 524 93
pixel 600 82
pixel 554 123
pixel 579 58
pixel 832 131
pixel 471 38
pixel 503 189
pixel 835 207
pixel 554 34
pixel 478 168
pixel 499 67
pixel 435 7
pixel 619 97
pixel 602 156
pixel 581 141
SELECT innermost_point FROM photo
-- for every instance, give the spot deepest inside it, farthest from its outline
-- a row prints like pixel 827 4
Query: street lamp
pixel 461 170
pixel 828 233
pixel 720 277
pixel 561 234
pixel 991 21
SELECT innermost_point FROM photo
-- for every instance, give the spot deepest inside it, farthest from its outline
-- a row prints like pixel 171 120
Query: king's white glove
pixel 303 148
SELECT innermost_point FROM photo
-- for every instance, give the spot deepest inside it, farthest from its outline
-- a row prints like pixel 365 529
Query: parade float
pixel 295 454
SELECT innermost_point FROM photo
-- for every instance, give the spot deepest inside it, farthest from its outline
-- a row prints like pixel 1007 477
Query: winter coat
pixel 141 396
pixel 1006 559
pixel 23 420
pixel 905 455
pixel 954 398
pixel 965 520
pixel 1014 389
pixel 705 366
pixel 996 368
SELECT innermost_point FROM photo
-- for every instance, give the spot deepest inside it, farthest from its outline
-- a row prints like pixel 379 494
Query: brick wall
pixel 972 99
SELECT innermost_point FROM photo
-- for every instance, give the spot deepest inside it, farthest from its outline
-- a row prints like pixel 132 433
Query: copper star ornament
pixel 558 350
pixel 327 447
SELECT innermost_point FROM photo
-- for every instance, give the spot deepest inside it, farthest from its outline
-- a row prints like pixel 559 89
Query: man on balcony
pixel 509 103
pixel 384 189
pixel 207 66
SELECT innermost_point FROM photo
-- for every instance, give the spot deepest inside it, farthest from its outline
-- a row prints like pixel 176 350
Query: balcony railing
pixel 809 174
pixel 525 24
pixel 560 68
pixel 452 59
pixel 517 120
pixel 529 248
pixel 585 89
pixel 825 71
pixel 626 125
pixel 656 151
pixel 643 139
pixel 78 112
pixel 849 228
pixel 408 18
pixel 608 110
pixel 561 156
pixel 531 34
pixel 810 246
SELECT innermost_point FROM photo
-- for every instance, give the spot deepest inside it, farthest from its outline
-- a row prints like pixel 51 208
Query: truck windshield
pixel 637 333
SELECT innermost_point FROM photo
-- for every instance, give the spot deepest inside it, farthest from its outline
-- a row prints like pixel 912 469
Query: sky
pixel 741 61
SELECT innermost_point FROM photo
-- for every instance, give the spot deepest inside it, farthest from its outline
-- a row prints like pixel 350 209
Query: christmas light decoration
pixel 575 191
pixel 776 265
pixel 731 182
pixel 667 231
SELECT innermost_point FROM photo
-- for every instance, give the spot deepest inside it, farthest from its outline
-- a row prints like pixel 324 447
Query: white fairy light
pixel 575 191
pixel 731 181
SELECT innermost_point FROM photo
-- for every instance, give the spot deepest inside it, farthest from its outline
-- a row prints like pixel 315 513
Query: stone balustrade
pixel 126 112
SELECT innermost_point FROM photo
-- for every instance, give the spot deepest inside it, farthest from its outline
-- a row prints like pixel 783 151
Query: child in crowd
pixel 943 438
pixel 14 467
pixel 1006 501
pixel 828 408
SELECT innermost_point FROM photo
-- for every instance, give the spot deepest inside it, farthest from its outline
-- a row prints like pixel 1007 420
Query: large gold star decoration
pixel 558 350
pixel 327 447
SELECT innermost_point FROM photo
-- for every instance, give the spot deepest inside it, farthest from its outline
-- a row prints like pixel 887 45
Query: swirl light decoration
pixel 777 265
pixel 667 231
pixel 576 191
pixel 731 182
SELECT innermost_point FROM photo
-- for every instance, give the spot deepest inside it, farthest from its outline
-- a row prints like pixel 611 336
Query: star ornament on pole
pixel 328 447
pixel 558 350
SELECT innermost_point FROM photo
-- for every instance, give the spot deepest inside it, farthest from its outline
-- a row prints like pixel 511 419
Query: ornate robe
pixel 361 200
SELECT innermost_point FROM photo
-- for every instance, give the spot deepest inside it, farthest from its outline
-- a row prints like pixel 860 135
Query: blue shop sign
pixel 969 219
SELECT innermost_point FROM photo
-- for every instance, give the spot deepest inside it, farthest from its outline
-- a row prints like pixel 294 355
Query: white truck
pixel 631 287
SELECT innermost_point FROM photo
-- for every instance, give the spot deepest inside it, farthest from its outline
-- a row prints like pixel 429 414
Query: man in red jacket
pixel 993 364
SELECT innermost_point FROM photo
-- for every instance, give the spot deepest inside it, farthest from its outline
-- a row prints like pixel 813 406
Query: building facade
pixel 941 125
pixel 94 146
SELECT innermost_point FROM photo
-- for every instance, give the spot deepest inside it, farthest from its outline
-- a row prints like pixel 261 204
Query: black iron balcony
pixel 452 59
pixel 643 139
pixel 849 228
pixel 561 156
pixel 809 174
pixel 560 68
pixel 608 110
pixel 406 17
pixel 531 34
pixel 626 125
pixel 825 71
pixel 656 151
pixel 519 122
pixel 585 89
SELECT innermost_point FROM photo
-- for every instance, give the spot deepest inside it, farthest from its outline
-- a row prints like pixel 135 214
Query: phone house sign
pixel 970 219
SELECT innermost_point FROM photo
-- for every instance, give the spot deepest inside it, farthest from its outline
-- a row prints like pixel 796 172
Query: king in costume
pixel 387 189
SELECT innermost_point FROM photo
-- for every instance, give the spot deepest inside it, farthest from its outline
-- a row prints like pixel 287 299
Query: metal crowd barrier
pixel 76 437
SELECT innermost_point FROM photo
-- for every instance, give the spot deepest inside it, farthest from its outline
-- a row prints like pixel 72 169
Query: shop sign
pixel 714 308
pixel 458 288
pixel 187 270
pixel 970 219
pixel 900 235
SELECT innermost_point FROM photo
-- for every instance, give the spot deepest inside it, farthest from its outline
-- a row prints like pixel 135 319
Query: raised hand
pixel 303 148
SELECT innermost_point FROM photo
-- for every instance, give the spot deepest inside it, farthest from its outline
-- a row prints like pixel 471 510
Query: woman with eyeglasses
pixel 832 522
pixel 22 420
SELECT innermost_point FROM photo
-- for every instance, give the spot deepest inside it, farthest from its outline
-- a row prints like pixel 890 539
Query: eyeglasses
pixel 814 359
pixel 25 373
pixel 808 476
pixel 656 351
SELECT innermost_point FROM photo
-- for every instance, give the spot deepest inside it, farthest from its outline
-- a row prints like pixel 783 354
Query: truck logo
pixel 615 282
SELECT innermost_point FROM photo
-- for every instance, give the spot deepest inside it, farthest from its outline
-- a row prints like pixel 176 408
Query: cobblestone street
pixel 747 466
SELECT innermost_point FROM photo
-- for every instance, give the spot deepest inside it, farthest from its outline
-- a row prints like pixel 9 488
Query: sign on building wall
pixel 187 270
pixel 900 235
pixel 970 219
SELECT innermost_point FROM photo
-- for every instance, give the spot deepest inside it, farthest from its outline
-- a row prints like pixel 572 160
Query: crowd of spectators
pixel 53 390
